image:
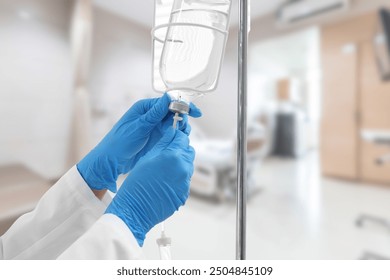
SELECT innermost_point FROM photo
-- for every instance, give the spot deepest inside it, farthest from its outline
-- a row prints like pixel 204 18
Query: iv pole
pixel 242 131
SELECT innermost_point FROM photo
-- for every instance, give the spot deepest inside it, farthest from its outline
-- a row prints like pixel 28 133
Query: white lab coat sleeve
pixel 65 212
pixel 108 239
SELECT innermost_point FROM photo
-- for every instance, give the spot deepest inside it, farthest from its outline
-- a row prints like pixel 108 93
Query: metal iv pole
pixel 242 131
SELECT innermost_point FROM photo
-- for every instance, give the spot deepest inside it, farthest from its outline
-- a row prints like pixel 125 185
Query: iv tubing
pixel 175 119
pixel 241 132
pixel 167 252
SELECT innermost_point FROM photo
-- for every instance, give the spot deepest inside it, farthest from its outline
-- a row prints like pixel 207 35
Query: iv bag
pixel 189 39
pixel 193 45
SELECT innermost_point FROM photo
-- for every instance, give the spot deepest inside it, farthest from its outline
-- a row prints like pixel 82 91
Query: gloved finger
pixel 195 112
pixel 165 140
pixel 168 120
pixel 139 108
pixel 181 141
pixel 190 153
pixel 112 188
pixel 184 197
pixel 187 129
pixel 184 125
pixel 159 110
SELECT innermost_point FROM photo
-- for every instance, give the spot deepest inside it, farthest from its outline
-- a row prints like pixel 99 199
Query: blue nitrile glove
pixel 136 133
pixel 157 186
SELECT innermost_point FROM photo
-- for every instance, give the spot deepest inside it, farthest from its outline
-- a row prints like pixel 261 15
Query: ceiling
pixel 141 12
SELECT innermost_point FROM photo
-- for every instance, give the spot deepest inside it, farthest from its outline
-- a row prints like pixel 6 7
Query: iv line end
pixel 176 119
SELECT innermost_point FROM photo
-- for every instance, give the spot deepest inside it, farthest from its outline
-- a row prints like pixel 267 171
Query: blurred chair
pixel 215 163
pixel 364 219
pixel 379 138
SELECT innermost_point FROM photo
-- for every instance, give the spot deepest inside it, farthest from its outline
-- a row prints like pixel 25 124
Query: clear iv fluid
pixel 190 60
pixel 192 55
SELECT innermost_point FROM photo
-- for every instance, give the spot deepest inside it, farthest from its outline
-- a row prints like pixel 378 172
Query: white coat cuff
pixel 74 179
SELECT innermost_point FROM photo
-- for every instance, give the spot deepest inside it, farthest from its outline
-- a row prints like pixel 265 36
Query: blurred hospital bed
pixel 215 163
pixel 20 190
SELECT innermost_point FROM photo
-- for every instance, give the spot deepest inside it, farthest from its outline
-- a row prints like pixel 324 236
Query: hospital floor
pixel 297 214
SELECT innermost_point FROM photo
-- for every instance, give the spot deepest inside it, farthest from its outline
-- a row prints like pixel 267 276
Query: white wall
pixel 36 79
pixel 120 68
pixel 35 84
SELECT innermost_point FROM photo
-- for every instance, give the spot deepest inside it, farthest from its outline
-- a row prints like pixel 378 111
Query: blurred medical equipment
pixel 291 120
pixel 189 39
pixel 215 164
pixel 290 133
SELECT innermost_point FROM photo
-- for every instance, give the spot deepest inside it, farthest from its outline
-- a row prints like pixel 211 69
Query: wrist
pixel 99 172
pixel 99 193
pixel 128 216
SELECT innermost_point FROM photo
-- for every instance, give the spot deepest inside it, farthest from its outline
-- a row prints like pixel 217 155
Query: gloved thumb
pixel 165 140
pixel 159 110
pixel 181 141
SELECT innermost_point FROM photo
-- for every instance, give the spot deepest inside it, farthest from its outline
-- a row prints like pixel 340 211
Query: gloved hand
pixel 133 136
pixel 157 186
